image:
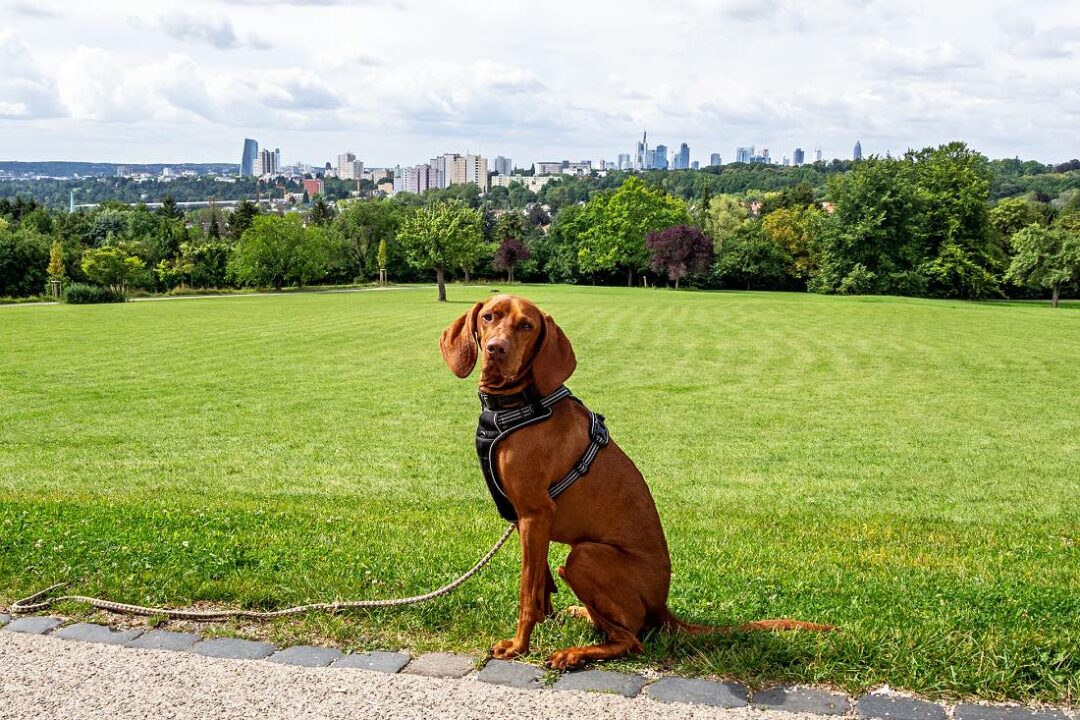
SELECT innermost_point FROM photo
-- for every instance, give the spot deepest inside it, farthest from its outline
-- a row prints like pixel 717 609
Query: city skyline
pixel 178 83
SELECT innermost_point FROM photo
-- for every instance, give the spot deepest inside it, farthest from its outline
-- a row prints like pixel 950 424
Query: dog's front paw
pixel 566 659
pixel 508 650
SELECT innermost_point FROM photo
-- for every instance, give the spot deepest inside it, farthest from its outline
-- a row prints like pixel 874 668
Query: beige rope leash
pixel 35 602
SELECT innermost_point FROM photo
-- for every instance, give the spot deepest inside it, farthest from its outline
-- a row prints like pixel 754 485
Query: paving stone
pixel 602 681
pixel 233 648
pixel 306 656
pixel 35 625
pixel 164 640
pixel 89 632
pixel 518 675
pixel 442 665
pixel 698 692
pixel 379 661
pixel 895 707
pixel 4 619
pixel 802 700
pixel 971 711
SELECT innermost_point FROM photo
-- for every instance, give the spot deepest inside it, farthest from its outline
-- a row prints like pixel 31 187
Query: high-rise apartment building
pixel 267 162
pixel 249 158
pixel 800 157
pixel 504 166
pixel 348 167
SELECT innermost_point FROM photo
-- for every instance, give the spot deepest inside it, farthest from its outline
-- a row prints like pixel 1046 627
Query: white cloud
pixel 398 83
pixel 938 59
pixel 211 29
pixel 26 93
pixel 31 10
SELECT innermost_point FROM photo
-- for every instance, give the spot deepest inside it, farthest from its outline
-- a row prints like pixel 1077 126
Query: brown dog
pixel 618 565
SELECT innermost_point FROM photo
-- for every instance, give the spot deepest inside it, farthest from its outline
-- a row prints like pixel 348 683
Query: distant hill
pixel 60 168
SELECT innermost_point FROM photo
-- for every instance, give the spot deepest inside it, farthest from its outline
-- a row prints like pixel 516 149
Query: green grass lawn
pixel 906 469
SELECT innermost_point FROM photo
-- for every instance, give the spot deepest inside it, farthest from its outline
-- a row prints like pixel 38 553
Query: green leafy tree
pixel 242 218
pixel 322 213
pixel 623 222
pixel 114 267
pixel 277 250
pixel 1046 258
pixel 365 225
pixel 24 255
pixel 953 186
pixel 382 253
pixel 172 273
pixel 209 263
pixel 441 236
pixel 56 269
pixel 723 217
pixel 750 260
pixel 793 229
pixel 1012 215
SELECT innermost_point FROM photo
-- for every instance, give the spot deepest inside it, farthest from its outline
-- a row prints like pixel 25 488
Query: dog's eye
pixel 525 326
pixel 487 317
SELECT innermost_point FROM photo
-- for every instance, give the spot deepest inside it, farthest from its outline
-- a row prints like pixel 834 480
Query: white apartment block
pixel 531 182
pixel 348 167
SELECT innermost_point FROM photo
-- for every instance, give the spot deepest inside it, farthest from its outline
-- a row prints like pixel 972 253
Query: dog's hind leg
pixel 604 579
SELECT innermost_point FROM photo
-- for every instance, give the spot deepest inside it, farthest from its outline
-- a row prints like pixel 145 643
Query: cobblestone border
pixel 877 705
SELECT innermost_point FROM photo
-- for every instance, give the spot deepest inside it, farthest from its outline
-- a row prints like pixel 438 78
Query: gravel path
pixel 44 677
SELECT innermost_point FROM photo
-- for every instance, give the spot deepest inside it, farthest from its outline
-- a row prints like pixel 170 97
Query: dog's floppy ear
pixel 458 343
pixel 555 361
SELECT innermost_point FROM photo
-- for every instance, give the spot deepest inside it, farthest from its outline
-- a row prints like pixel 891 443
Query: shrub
pixel 80 294
pixel 860 281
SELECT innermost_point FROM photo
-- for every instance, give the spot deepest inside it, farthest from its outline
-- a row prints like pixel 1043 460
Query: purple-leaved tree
pixel 679 251
pixel 510 253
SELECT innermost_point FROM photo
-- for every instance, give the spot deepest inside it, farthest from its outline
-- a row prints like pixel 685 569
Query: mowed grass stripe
pixel 906 469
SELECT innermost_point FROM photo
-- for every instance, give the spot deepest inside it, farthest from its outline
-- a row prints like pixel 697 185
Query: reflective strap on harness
pixel 496 425
pixel 598 438
pixel 509 418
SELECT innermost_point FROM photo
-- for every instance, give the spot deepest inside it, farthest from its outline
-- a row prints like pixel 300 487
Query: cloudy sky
pixel 397 81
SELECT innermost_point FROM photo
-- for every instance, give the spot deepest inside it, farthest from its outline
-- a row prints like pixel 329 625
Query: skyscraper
pixel 695 165
pixel 683 162
pixel 504 166
pixel 624 161
pixel 800 157
pixel 661 158
pixel 642 150
pixel 858 150
pixel 743 154
pixel 817 155
pixel 249 158
pixel 277 160
pixel 715 160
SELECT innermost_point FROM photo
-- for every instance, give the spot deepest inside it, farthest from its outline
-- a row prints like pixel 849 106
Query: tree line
pixel 924 224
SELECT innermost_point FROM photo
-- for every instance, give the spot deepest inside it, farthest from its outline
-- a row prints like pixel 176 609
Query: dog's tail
pixel 674 624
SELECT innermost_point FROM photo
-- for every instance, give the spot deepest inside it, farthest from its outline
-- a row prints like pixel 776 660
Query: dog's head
pixel 519 344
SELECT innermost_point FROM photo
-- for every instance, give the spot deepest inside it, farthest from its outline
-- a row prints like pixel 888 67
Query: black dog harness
pixel 496 423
